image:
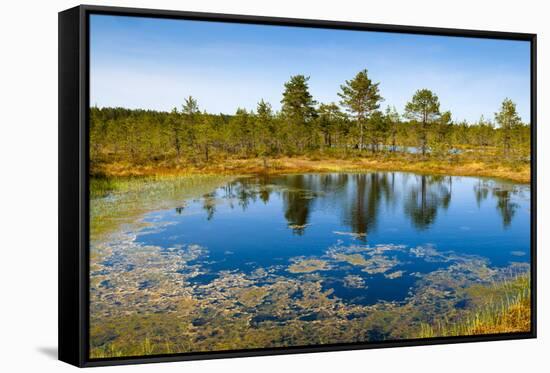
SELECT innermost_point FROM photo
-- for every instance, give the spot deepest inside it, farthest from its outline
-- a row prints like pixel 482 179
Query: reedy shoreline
pixel 512 171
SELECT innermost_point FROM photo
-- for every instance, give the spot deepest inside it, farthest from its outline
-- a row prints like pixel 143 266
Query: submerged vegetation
pixel 266 308
pixel 504 307
pixel 116 201
pixel 352 135
pixel 148 299
pixel 307 265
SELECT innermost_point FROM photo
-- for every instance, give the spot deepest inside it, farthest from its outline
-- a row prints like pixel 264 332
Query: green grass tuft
pixel 507 310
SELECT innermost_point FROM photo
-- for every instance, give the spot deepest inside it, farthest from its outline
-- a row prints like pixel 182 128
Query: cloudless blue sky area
pixel 155 63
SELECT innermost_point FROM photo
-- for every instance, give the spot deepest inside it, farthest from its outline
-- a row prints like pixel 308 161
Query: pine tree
pixel 423 109
pixel 377 130
pixel 361 97
pixel 298 103
pixel 190 111
pixel 508 120
pixel 298 108
pixel 329 117
pixel 392 117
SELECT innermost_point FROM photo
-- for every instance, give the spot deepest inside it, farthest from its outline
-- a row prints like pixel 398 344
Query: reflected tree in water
pixel 426 197
pixel 360 197
pixel 209 205
pixel 505 206
pixel 297 200
pixel 245 191
pixel 481 192
pixel 264 188
pixel 264 195
pixel 361 212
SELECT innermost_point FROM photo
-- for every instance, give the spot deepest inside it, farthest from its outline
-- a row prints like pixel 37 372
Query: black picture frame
pixel 73 181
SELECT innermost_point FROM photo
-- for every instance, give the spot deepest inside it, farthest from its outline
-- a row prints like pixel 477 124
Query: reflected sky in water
pixel 265 222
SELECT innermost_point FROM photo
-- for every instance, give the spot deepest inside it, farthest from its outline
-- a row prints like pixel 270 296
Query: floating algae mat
pixel 299 259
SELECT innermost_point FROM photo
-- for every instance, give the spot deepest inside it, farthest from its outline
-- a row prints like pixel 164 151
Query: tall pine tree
pixel 361 97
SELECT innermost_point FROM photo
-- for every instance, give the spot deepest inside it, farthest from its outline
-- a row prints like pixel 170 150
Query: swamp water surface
pixel 304 259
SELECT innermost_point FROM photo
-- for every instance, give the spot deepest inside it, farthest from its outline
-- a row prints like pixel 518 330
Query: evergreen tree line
pixel 356 124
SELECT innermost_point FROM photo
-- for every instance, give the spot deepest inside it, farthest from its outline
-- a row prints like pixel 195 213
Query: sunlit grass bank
pixel 460 165
pixel 506 310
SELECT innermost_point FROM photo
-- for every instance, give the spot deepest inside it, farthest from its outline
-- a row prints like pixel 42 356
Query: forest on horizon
pixel 356 126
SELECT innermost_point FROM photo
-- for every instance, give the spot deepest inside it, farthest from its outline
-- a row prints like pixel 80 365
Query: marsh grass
pixel 506 310
pixel 118 201
pixel 463 165
pixel 147 347
pixel 103 185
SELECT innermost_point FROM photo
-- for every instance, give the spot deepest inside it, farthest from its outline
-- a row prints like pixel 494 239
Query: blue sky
pixel 156 63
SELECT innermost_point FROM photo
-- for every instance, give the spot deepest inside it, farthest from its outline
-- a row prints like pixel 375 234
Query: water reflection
pixel 361 210
pixel 209 205
pixel 426 197
pixel 360 198
pixel 297 199
pixel 505 206
pixel 503 194
pixel 481 191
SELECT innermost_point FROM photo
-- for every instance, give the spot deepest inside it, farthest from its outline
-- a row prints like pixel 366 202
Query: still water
pixel 271 223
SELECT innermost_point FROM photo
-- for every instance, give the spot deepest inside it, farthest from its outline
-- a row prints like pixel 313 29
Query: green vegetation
pixel 361 98
pixel 131 197
pixel 423 109
pixel 306 134
pixel 504 307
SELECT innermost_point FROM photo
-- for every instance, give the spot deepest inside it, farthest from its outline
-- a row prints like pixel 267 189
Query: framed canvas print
pixel 236 186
